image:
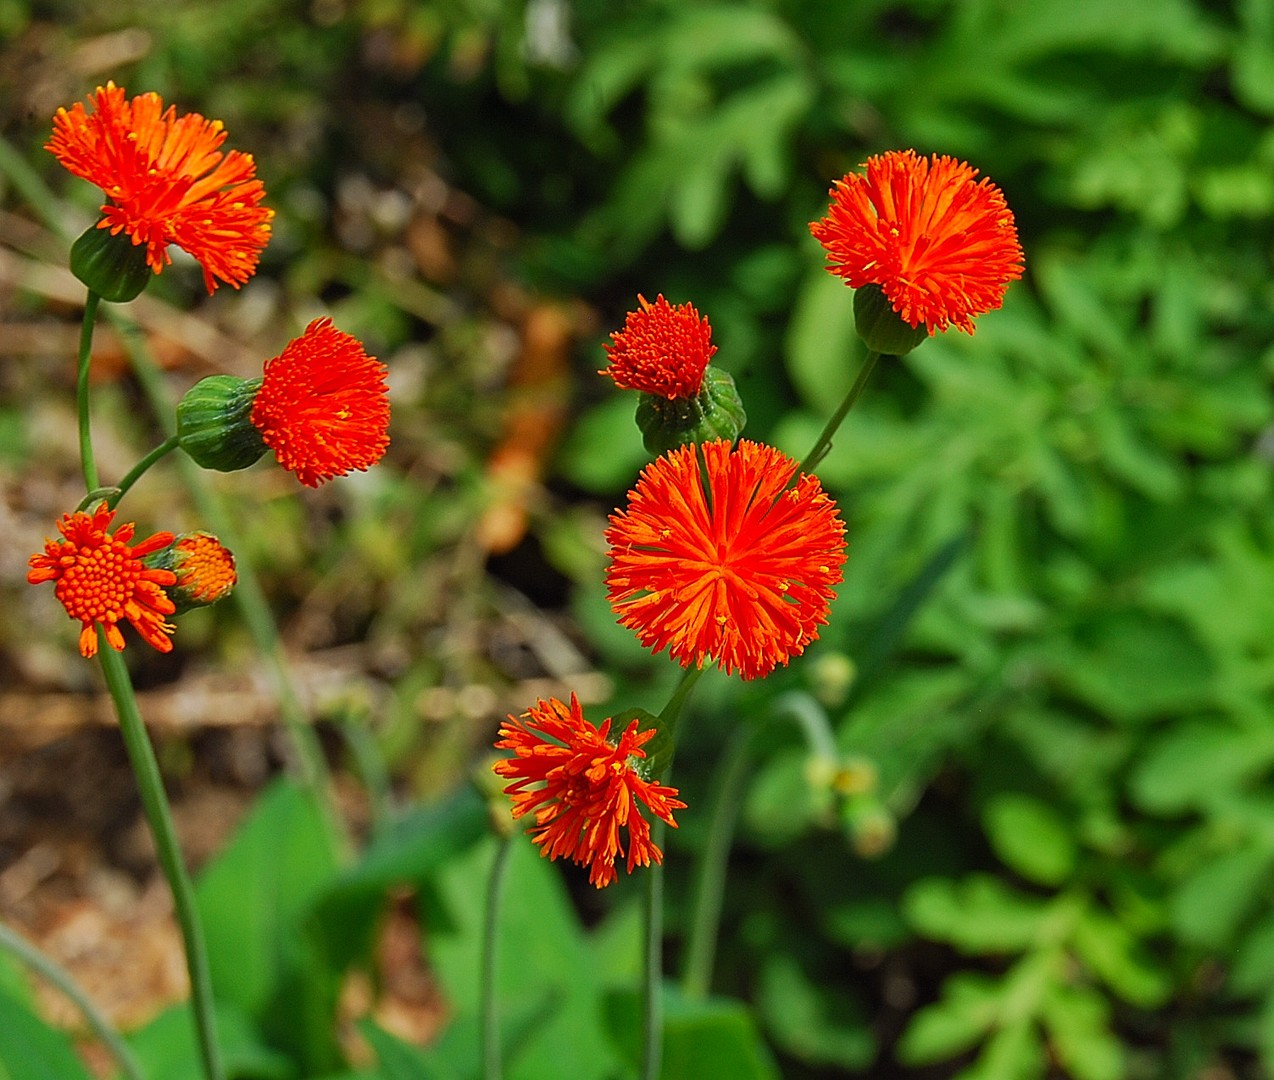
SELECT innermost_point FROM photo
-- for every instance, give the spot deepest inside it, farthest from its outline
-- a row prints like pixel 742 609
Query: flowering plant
pixel 727 553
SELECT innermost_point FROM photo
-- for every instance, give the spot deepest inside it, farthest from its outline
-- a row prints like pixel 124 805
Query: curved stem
pixel 134 474
pixel 150 786
pixel 59 977
pixel 824 441
pixel 87 461
pixel 489 1015
pixel 705 918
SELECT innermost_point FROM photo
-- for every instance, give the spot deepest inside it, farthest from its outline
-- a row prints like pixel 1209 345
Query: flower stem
pixel 150 786
pixel 705 919
pixel 653 908
pixel 652 980
pixel 59 977
pixel 134 474
pixel 824 443
pixel 87 461
pixel 489 1016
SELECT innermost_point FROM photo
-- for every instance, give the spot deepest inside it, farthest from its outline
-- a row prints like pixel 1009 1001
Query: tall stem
pixel 59 977
pixel 824 442
pixel 652 981
pixel 87 461
pixel 489 1012
pixel 150 785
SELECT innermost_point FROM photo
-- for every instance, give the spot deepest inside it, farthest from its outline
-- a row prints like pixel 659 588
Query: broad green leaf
pixel 1078 1024
pixel 819 1025
pixel 1031 838
pixel 1192 762
pixel 32 1050
pixel 166 1047
pixel 253 898
pixel 1119 959
pixel 821 345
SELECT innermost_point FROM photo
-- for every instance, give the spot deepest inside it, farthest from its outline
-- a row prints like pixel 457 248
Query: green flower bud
pixel 214 423
pixel 716 412
pixel 111 265
pixel 881 327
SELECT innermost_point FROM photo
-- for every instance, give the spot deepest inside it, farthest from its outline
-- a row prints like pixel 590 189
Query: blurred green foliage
pixel 1055 641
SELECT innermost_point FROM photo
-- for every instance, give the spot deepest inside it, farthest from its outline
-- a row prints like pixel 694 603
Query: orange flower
pixel 323 406
pixel 942 248
pixel 205 568
pixel 582 787
pixel 661 350
pixel 101 579
pixel 167 182
pixel 724 560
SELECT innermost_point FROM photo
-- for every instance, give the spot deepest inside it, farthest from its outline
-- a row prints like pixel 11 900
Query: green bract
pixel 880 326
pixel 214 423
pixel 110 265
pixel 715 413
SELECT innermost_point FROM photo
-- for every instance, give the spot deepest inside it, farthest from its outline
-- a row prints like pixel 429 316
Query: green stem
pixel 824 442
pixel 87 461
pixel 705 918
pixel 150 786
pixel 489 1016
pixel 134 474
pixel 59 977
pixel 653 906
pixel 652 975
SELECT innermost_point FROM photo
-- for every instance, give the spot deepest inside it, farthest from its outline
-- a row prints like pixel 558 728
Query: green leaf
pixel 166 1047
pixel 1209 905
pixel 967 1010
pixel 821 346
pixel 815 1023
pixel 31 1050
pixel 1078 1023
pixel 253 899
pixel 978 915
pixel 1119 960
pixel 1191 762
pixel 1030 837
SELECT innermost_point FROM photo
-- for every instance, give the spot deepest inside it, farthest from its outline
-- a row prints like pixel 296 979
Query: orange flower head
pixel 661 350
pixel 205 568
pixel 583 788
pixel 942 247
pixel 723 559
pixel 323 406
pixel 101 579
pixel 167 181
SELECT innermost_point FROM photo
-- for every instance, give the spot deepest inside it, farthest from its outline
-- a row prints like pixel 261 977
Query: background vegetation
pixel 1050 851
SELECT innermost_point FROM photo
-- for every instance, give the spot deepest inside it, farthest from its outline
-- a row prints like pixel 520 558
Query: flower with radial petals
pixel 102 581
pixel 661 350
pixel 167 181
pixel 725 560
pixel 323 406
pixel 941 247
pixel 583 788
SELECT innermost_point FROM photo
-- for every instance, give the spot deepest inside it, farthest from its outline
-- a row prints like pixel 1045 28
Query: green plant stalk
pixel 135 473
pixel 150 785
pixel 653 906
pixel 824 442
pixel 60 978
pixel 705 917
pixel 488 1007
pixel 87 461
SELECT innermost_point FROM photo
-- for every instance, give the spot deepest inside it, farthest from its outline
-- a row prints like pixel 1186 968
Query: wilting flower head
pixel 661 350
pixel 167 181
pixel 582 787
pixel 723 559
pixel 101 579
pixel 941 246
pixel 323 406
